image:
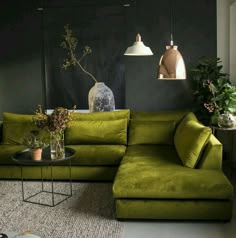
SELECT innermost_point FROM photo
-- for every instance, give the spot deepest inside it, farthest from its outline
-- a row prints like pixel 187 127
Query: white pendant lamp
pixel 138 48
pixel 171 65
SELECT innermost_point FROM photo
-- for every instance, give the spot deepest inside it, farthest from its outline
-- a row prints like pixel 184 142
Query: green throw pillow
pixel 97 132
pixel 190 139
pixel 151 132
pixel 13 133
pixel 189 116
pixel 13 117
pixel 17 126
pixel 102 116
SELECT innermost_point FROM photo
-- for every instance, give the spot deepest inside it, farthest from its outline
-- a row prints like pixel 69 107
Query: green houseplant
pixel 213 93
pixel 35 143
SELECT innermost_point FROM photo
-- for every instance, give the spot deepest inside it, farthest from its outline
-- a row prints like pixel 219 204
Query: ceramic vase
pixel 226 120
pixel 101 98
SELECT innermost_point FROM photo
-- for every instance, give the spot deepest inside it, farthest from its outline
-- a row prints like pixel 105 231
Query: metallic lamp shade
pixel 171 65
pixel 138 48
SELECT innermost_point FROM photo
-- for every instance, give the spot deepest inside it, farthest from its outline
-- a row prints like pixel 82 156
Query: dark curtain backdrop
pixel 101 28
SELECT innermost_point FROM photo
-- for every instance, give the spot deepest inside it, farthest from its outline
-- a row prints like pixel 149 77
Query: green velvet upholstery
pixel 13 133
pixel 97 132
pixel 190 139
pixel 174 209
pixel 157 155
pixel 14 117
pixel 94 155
pixel 102 116
pixel 7 151
pixel 189 116
pixel 151 132
pixel 212 155
pixel 150 180
pixel 17 126
pixel 158 116
pixel 1 124
pixel 160 174
pixel 82 173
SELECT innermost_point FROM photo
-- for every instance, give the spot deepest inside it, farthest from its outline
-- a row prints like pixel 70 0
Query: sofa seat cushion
pixel 6 151
pixel 160 174
pixel 97 154
pixel 161 155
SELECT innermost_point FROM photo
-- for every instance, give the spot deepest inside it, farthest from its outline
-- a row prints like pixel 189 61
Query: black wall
pixel 22 81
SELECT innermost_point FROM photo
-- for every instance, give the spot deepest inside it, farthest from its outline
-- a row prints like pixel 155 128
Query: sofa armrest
pixel 212 155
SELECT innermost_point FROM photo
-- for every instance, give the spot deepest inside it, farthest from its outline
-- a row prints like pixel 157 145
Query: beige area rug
pixel 88 213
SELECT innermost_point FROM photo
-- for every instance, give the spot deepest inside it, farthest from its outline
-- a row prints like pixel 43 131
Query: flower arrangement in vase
pixel 101 97
pixel 55 123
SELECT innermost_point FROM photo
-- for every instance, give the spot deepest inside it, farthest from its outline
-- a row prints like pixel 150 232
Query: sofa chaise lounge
pixel 164 165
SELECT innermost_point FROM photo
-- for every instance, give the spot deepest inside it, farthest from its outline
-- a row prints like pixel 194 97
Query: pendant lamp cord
pixel 171 23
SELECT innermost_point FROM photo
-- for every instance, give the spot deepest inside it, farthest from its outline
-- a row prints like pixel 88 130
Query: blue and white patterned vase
pixel 101 98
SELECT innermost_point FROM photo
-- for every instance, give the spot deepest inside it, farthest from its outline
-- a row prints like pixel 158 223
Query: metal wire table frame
pixel 24 158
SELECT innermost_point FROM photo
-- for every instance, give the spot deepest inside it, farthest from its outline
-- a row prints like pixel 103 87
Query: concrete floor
pixel 162 229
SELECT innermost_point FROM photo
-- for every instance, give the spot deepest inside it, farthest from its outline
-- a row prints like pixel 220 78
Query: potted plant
pixel 35 144
pixel 213 93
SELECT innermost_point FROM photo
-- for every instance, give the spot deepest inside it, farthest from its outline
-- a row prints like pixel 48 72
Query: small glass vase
pixel 226 120
pixel 57 145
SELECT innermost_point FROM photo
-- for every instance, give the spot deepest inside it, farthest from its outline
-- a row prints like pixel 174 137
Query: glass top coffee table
pixel 23 158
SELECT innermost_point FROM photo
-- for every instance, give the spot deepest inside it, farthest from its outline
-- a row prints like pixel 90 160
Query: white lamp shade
pixel 138 48
pixel 171 65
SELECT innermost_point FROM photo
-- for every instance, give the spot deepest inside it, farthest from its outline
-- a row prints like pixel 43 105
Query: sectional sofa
pixel 164 165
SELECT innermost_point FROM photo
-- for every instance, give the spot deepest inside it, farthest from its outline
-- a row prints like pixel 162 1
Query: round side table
pixel 228 160
pixel 24 158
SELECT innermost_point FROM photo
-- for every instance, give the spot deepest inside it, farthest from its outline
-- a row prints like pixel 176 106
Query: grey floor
pixel 162 229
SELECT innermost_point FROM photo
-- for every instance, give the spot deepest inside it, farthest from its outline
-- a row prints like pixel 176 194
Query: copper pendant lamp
pixel 171 65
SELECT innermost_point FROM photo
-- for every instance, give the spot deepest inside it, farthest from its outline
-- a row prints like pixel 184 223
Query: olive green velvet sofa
pixel 164 165
pixel 99 139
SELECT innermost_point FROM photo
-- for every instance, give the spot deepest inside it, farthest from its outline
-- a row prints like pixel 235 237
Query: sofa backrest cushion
pixel 102 116
pixel 190 139
pixel 17 126
pixel 158 116
pixel 97 132
pixel 151 132
pixel 13 117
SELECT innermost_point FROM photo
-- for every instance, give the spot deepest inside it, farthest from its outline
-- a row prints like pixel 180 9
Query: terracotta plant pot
pixel 36 154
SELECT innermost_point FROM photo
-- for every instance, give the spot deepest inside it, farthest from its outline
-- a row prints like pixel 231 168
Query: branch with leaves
pixel 70 43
